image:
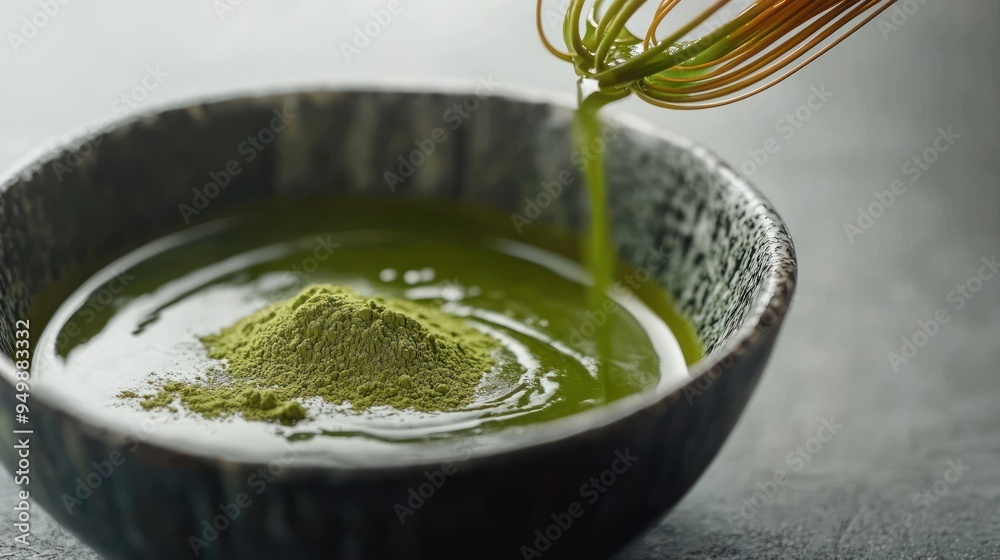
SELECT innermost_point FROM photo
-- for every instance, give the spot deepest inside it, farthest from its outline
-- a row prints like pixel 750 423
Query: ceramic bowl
pixel 730 269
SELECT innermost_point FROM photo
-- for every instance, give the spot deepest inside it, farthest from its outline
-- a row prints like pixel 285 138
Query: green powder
pixel 330 342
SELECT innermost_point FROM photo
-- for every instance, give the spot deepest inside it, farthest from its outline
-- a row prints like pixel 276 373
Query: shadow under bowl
pixel 730 270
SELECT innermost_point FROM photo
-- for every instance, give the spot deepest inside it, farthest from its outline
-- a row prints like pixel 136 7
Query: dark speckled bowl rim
pixel 767 310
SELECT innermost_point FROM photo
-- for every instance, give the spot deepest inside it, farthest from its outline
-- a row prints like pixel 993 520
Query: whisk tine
pixel 758 48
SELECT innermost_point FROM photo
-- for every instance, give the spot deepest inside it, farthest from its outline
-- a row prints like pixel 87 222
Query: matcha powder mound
pixel 332 343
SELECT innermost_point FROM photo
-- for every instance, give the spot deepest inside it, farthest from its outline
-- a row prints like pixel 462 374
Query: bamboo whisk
pixel 743 53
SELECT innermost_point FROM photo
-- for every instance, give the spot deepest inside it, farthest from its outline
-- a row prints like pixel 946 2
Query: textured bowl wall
pixel 730 269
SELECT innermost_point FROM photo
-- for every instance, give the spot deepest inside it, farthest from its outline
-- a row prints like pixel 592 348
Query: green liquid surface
pixel 135 324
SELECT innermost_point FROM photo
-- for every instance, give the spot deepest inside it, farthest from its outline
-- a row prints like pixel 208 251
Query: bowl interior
pixel 729 261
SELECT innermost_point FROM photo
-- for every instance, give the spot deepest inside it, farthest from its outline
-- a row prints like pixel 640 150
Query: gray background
pixel 892 90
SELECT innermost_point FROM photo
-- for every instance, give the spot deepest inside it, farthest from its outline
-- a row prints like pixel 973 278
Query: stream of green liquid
pixel 600 253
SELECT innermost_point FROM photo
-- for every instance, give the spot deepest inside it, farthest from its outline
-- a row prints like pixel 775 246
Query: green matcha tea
pixel 330 342
pixel 388 321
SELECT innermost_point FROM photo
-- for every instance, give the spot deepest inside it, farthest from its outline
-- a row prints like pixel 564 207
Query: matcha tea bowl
pixel 147 270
